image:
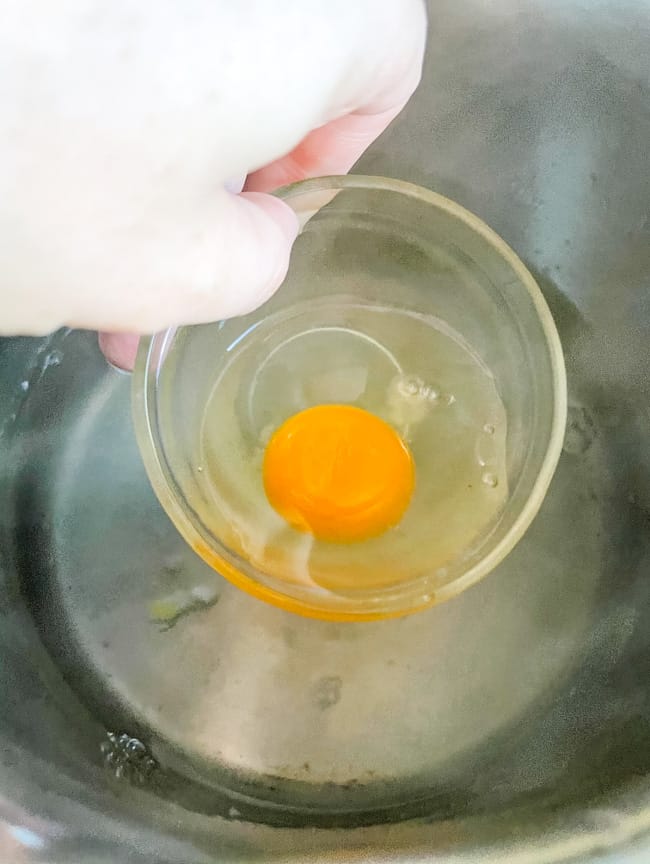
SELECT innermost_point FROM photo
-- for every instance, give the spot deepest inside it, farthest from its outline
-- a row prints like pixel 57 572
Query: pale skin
pixel 128 130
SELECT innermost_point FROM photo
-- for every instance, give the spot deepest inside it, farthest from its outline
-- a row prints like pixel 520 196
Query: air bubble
pixel 490 479
pixel 409 402
pixel 135 747
pixel 127 758
pixel 489 429
pixel 410 386
pixel 414 388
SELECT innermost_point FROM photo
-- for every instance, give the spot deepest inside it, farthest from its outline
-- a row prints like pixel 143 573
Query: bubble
pixel 489 429
pixel 127 758
pixel 135 747
pixel 410 386
pixel 409 401
pixel 490 479
pixel 413 388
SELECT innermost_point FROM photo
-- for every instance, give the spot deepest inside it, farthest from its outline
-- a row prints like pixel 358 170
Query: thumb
pixel 257 233
pixel 230 270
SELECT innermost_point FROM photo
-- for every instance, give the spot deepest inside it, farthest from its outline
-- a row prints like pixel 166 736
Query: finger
pixel 233 267
pixel 239 263
pixel 120 349
pixel 331 149
pixel 369 101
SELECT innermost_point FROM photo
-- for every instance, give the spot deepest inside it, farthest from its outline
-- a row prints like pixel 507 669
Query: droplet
pixel 490 479
pixel 24 386
pixel 488 429
pixel 54 358
pixel 199 468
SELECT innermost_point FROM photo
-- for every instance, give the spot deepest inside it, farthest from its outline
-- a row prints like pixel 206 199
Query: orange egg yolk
pixel 338 472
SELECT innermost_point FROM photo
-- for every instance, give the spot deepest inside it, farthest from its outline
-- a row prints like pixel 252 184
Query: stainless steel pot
pixel 152 713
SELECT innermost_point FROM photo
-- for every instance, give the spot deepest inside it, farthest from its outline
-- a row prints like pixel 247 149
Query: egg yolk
pixel 338 472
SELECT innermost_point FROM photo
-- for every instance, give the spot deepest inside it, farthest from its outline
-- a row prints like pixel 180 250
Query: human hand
pixel 126 132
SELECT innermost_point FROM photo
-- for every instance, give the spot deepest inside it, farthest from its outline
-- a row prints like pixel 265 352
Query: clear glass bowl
pixel 365 243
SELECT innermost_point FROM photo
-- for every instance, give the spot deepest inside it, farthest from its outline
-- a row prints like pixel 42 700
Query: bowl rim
pixel 221 558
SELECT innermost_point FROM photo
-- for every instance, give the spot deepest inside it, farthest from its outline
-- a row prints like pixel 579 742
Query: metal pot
pixel 150 712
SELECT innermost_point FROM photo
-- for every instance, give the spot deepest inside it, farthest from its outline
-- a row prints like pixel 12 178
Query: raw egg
pixel 338 472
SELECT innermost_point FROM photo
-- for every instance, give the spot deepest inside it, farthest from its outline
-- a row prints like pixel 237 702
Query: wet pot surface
pixel 511 724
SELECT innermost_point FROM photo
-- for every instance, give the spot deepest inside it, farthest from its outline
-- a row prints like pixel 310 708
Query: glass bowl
pixel 382 273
